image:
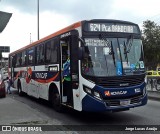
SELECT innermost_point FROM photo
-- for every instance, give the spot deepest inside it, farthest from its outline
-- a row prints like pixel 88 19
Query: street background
pixel 26 110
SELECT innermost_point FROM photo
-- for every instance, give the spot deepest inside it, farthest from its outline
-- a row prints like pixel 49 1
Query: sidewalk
pixel 154 95
pixel 14 113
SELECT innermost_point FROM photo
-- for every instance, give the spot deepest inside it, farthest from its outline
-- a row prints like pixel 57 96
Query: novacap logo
pixel 108 93
pixel 29 76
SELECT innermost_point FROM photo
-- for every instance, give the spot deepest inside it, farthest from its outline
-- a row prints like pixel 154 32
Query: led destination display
pixel 111 27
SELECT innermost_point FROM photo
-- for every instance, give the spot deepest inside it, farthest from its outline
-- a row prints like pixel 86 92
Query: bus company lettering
pixel 108 93
pixel 41 75
pixel 65 35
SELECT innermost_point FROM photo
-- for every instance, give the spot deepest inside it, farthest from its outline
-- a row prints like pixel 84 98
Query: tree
pixel 151 42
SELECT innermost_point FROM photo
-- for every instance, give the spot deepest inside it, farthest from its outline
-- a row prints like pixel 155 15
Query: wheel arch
pixel 52 89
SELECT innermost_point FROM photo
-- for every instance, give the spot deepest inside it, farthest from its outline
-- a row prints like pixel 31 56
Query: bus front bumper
pixel 91 104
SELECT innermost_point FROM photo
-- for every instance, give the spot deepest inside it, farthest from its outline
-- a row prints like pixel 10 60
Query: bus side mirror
pixel 80 53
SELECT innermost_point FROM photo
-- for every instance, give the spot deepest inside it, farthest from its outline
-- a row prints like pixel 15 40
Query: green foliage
pixel 151 42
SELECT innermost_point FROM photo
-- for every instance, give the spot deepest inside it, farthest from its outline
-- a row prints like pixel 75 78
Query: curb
pixel 153 98
pixel 154 95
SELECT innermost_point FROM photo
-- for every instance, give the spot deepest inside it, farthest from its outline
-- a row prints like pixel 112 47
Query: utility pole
pixel 30 38
pixel 38 18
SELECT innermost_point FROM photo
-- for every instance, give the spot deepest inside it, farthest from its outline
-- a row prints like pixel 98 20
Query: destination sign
pixel 96 42
pixel 111 27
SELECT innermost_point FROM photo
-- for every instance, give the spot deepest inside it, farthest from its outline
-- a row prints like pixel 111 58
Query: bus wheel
pixel 20 89
pixel 56 102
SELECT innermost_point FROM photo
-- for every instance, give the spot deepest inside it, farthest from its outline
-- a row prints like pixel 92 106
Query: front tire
pixel 56 102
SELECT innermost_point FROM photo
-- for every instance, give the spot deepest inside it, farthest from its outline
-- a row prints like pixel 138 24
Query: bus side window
pixel 24 58
pixel 14 61
pixel 18 59
pixel 48 51
pixel 54 51
pixel 51 51
pixel 40 54
pixel 31 56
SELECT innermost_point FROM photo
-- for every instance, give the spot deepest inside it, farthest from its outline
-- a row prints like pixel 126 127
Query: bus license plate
pixel 124 102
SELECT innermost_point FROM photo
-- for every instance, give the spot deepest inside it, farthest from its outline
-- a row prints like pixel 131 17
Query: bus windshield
pixel 112 57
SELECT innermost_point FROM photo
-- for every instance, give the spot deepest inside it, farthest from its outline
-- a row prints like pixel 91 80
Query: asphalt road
pixel 146 115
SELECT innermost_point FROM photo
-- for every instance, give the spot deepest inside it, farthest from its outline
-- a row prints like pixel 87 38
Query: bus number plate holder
pixel 124 102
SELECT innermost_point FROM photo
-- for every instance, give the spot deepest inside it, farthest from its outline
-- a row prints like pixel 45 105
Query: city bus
pixel 105 67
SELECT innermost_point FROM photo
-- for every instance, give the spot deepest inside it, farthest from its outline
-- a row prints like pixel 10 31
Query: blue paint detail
pixel 92 104
pixel 130 90
pixel 119 68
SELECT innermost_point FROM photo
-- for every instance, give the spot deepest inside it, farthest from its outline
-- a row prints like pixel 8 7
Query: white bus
pixel 106 70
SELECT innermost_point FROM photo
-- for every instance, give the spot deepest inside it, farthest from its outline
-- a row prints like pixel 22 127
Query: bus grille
pixel 122 81
pixel 115 102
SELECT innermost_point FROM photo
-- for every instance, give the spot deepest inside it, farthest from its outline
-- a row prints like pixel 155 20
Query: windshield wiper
pixel 129 43
pixel 125 51
pixel 127 46
pixel 111 51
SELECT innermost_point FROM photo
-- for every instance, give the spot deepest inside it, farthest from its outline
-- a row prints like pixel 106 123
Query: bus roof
pixel 66 29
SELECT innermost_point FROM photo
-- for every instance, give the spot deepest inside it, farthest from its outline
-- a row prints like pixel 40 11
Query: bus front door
pixel 67 94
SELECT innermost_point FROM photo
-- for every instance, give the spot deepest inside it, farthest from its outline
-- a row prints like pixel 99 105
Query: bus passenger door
pixel 12 65
pixel 67 94
pixel 70 84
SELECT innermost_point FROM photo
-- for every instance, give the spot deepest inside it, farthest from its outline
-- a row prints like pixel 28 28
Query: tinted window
pixel 24 59
pixel 51 52
pixel 31 56
pixel 40 54
pixel 19 60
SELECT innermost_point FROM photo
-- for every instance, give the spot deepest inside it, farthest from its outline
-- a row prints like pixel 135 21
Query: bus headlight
pixel 87 90
pixel 92 92
pixel 97 95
